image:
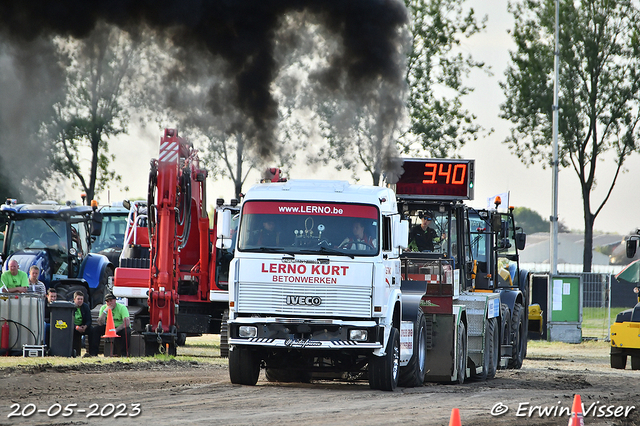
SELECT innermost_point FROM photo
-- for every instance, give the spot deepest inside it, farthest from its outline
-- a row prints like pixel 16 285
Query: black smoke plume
pixel 241 32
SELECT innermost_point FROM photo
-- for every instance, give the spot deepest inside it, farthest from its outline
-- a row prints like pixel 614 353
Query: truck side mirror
pixel 96 223
pixel 632 245
pixel 224 224
pixel 126 204
pixel 401 235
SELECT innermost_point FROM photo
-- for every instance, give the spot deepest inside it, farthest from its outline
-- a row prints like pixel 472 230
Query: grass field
pixel 201 349
pixel 594 321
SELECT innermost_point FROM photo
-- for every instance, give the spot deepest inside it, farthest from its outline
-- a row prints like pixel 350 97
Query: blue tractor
pixel 57 238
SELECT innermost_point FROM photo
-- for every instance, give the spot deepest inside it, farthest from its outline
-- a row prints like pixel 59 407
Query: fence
pixel 596 302
pixel 596 305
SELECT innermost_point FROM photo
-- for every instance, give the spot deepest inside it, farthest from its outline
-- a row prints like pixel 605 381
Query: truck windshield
pixel 307 227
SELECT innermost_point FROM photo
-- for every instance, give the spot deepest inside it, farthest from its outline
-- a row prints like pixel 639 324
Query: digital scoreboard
pixel 437 178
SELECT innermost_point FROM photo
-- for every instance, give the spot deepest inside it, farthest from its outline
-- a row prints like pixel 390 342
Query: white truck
pixel 323 286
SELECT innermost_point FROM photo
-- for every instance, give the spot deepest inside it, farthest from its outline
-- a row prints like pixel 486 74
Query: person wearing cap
pixel 422 237
pixel 121 322
pixel 81 321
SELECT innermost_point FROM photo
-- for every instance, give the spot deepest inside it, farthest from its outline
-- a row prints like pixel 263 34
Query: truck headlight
pixel 247 331
pixel 358 335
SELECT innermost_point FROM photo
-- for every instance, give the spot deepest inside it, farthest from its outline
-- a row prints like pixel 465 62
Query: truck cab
pixel 314 287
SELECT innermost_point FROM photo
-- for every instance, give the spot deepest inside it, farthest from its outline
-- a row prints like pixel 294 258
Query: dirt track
pixel 176 392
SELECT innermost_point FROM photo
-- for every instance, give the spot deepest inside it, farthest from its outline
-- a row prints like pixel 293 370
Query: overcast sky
pixel 497 170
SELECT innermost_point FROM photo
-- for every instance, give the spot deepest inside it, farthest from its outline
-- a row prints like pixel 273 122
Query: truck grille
pixel 256 298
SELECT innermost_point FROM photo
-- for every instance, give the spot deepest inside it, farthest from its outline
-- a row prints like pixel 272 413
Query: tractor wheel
pixel 505 330
pixel 493 343
pixel 104 288
pixel 66 291
pixel 413 374
pixel 244 366
pixel 519 334
pixel 461 354
pixel 619 361
pixel 635 362
pixel 384 370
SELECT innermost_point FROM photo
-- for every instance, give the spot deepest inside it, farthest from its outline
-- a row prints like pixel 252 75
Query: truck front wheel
pixel 385 370
pixel 413 374
pixel 244 366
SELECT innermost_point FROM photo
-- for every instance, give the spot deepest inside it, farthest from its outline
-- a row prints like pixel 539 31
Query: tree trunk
pixel 238 178
pixel 95 144
pixel 587 255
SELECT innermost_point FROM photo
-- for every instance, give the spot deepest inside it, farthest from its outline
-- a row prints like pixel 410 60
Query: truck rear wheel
pixel 618 361
pixel 413 373
pixel 244 366
pixel 384 370
pixel 519 334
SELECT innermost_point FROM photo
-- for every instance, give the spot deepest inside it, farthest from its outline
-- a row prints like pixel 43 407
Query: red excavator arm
pixel 181 258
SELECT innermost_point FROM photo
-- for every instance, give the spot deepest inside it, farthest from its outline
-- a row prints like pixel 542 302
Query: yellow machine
pixel 535 319
pixel 625 333
pixel 625 338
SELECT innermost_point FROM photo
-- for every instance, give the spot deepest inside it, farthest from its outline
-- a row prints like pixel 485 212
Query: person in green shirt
pixel 15 280
pixel 81 321
pixel 121 322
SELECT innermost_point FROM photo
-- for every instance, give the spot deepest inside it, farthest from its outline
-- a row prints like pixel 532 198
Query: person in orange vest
pixel 121 322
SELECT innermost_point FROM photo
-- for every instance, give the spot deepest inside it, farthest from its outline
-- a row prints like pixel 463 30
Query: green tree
pixel 530 220
pixel 598 91
pixel 369 130
pixel 435 72
pixel 101 84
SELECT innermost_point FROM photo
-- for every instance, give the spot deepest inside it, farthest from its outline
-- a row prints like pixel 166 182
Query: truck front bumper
pixel 306 334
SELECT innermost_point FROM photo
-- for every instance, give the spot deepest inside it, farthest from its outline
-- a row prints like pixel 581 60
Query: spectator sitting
pixel 15 280
pixel 81 321
pixel 121 322
pixel 35 285
pixel 52 296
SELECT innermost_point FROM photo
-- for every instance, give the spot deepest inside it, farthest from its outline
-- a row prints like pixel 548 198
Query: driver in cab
pixel 422 237
pixel 359 240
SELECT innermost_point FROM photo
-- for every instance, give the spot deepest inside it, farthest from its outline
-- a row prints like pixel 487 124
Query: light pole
pixel 553 249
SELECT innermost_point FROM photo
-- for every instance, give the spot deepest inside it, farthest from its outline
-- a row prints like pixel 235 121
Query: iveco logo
pixel 304 300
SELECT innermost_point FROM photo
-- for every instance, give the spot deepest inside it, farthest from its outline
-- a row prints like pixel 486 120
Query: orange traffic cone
pixel 576 419
pixel 455 418
pixel 110 329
